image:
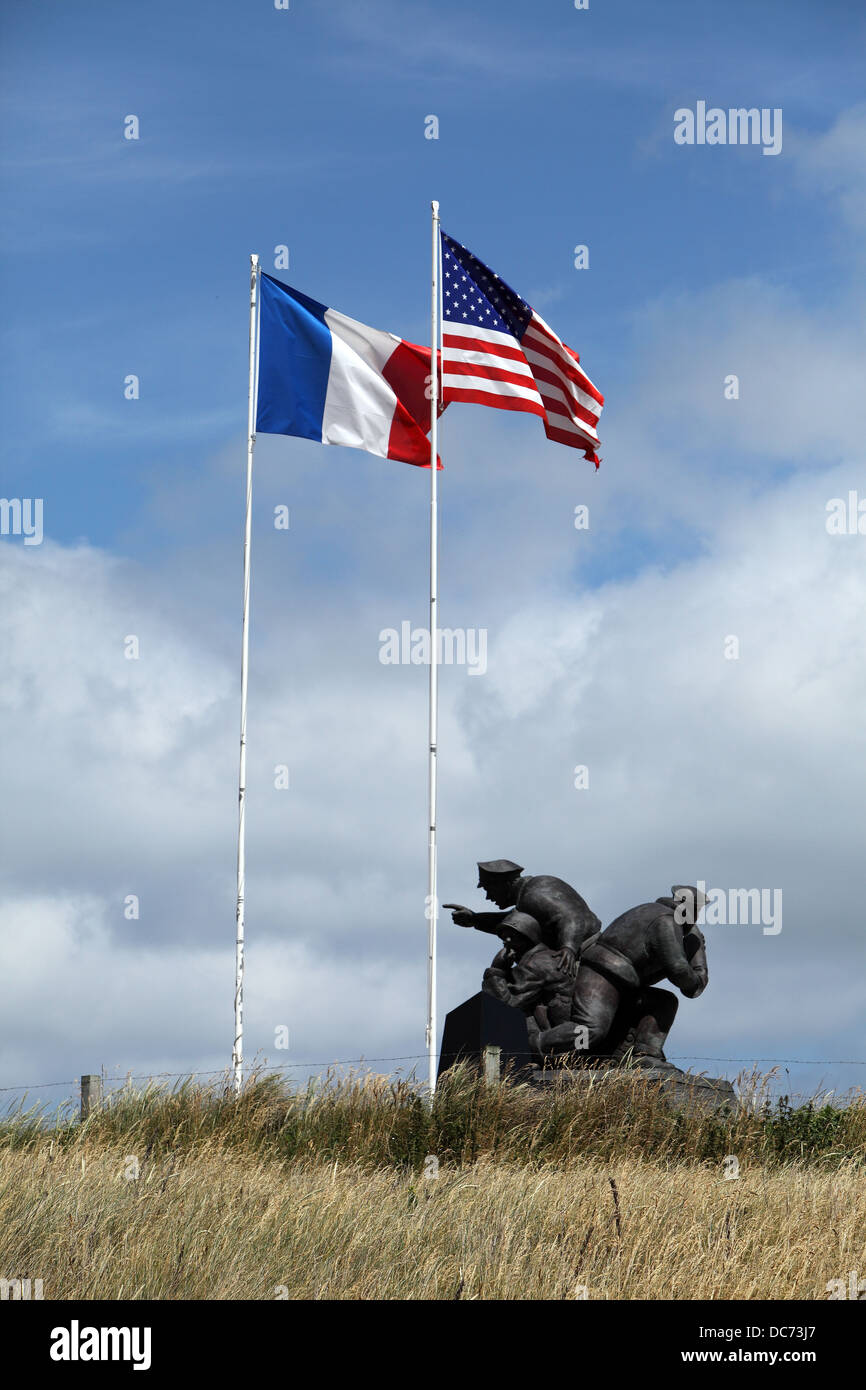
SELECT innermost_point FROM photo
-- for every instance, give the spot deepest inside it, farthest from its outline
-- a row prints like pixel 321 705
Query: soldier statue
pixel 545 927
pixel 584 990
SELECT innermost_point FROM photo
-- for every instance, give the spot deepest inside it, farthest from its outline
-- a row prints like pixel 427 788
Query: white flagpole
pixel 432 901
pixel 238 1049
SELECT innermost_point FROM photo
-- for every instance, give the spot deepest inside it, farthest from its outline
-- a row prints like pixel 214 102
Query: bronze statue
pixel 585 991
pixel 545 927
pixel 564 920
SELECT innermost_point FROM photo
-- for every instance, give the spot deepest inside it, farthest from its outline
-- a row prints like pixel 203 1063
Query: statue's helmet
pixel 493 869
pixel 521 924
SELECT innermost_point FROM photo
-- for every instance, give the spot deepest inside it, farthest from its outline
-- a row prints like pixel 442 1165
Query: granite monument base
pixel 485 1021
pixel 682 1090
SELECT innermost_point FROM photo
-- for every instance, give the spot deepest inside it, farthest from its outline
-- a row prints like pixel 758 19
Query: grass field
pixel 356 1189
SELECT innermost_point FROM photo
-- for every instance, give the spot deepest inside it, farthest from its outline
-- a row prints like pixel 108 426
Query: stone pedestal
pixel 485 1021
pixel 480 1022
pixel 682 1090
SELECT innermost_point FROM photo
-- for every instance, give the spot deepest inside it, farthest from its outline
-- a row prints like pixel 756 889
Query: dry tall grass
pixel 215 1226
pixel 375 1120
pixel 332 1193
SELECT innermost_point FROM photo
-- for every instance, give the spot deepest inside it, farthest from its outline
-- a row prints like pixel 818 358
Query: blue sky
pixel 261 127
pixel 305 127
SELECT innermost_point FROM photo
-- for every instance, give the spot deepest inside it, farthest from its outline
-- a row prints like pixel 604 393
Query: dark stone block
pixel 684 1091
pixel 480 1022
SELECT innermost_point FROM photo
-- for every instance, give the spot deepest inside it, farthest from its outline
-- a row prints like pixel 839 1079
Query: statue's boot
pixel 654 1013
pixel 533 1033
pixel 557 1040
pixel 646 1061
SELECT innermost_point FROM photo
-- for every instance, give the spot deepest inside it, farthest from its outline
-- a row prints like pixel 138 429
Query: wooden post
pixel 491 1064
pixel 91 1094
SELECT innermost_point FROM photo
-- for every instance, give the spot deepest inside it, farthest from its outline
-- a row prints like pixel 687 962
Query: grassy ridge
pixel 357 1189
pixel 375 1121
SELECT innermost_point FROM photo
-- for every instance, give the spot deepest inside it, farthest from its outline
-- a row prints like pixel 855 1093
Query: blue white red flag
pixel 326 377
pixel 497 351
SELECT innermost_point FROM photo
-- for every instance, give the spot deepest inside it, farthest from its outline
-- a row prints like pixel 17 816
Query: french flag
pixel 326 377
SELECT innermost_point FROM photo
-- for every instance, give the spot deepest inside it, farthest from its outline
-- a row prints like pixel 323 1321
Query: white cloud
pixel 84 999
pixel 120 779
pixel 834 163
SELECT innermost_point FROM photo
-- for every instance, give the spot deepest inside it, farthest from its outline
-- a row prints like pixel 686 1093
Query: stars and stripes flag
pixel 496 350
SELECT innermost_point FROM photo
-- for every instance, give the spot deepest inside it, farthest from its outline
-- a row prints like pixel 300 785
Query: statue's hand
pixel 460 916
pixel 567 962
pixel 693 942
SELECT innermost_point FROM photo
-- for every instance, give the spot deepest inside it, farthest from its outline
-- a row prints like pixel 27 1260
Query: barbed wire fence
pixel 415 1057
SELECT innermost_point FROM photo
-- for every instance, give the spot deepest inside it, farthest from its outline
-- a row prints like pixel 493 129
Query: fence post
pixel 491 1064
pixel 91 1094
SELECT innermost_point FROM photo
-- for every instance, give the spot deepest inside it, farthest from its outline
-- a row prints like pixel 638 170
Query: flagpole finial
pixel 254 260
pixel 435 206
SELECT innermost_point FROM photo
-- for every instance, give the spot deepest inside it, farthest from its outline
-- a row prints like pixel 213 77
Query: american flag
pixel 497 351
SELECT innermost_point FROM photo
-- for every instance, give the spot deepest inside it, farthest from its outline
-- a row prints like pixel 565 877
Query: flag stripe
pixel 474 360
pixel 553 390
pixel 470 330
pixel 497 351
pixel 563 436
pixel 544 370
pixel 569 364
pixel 568 374
pixel 496 398
pixel 509 365
pixel 505 344
pixel 518 389
pixel 325 376
pixel 492 371
pixel 566 424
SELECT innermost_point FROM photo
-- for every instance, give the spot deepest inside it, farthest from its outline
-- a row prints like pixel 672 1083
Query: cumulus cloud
pixel 85 998
pixel 119 780
pixel 833 163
